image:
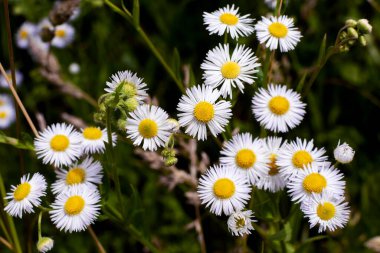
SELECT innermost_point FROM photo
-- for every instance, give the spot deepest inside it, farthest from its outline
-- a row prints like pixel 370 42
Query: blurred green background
pixel 344 104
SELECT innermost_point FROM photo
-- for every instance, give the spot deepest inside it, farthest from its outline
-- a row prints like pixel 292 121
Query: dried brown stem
pixel 96 240
pixel 6 243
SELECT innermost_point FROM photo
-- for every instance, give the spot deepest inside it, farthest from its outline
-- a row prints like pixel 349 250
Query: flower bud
pixel 174 125
pixel 344 153
pixel 171 161
pixel 364 26
pixel 131 104
pixel 352 33
pixel 343 35
pixel 362 41
pixel 351 22
pixel 46 34
pixel 121 124
pixel 45 244
pixel 128 90
pixel 373 244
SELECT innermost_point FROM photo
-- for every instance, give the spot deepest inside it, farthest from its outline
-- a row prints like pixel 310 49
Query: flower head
pixel 45 244
pixel 343 153
pixel 93 139
pixel 240 223
pixel 18 75
pixel 63 35
pixel 24 33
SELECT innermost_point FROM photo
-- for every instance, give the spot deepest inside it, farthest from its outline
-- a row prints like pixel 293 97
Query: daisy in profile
pixel 272 181
pixel 24 33
pixel 74 210
pixel 278 108
pixel 58 144
pixel 328 211
pixel 63 35
pixel 247 156
pixel 18 75
pixel 7 115
pixel 240 223
pixel 149 125
pixel 129 84
pixel 93 139
pixel 298 154
pixel 224 190
pixel 45 244
pixel 228 20
pixel 316 180
pixel 87 173
pixel 277 32
pixel 226 71
pixel 27 195
pixel 199 110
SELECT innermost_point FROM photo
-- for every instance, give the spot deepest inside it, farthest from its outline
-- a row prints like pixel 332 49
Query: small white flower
pixel 328 211
pixel 24 33
pixel 27 195
pixel 148 125
pixel 277 32
pixel 273 181
pixel 45 244
pixel 74 210
pixel 93 139
pixel 18 75
pixel 88 173
pixel 344 153
pixel 247 156
pixel 224 190
pixel 228 20
pixel 7 115
pixel 294 156
pixel 198 110
pixel 74 68
pixel 58 144
pixel 63 35
pixel 240 223
pixel 316 180
pixel 278 108
pixel 222 69
pixel 271 4
pixel 5 100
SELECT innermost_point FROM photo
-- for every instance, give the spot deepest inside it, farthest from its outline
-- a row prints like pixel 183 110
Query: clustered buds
pixel 354 31
pixel 169 154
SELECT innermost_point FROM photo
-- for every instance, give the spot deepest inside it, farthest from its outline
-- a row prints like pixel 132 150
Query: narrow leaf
pixel 322 50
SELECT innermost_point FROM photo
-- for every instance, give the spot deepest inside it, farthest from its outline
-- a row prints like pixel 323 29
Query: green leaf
pixel 283 235
pixel 301 82
pixel 176 63
pixel 322 50
pixel 20 144
pixel 136 13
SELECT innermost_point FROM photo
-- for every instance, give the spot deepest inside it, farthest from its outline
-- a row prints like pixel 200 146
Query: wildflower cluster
pixel 354 31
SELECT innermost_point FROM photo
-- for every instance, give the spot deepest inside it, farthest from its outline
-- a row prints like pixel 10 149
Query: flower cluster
pixel 7 111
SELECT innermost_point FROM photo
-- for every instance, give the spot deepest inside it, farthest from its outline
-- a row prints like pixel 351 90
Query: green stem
pixel 39 225
pixel 136 233
pixel 225 38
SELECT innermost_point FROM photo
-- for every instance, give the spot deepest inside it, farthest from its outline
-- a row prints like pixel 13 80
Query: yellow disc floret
pixel 301 158
pixel 148 128
pixel 229 19
pixel 245 158
pixel 204 111
pixel 224 188
pixel 92 133
pixel 230 70
pixel 60 33
pixel 273 168
pixel 3 115
pixel 59 142
pixel 279 105
pixel 74 205
pixel 314 182
pixel 240 222
pixel 22 191
pixel 278 30
pixel 326 211
pixel 75 176
pixel 24 34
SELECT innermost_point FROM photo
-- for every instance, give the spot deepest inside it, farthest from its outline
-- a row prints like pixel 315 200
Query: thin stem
pixel 39 225
pixel 19 102
pixel 201 237
pixel 269 73
pixel 96 240
pixel 6 243
pixel 225 38
pixel 279 9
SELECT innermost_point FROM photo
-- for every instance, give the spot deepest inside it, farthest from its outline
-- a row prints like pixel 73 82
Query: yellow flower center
pixel 314 182
pixel 148 128
pixel 75 176
pixel 60 33
pixel 3 115
pixel 229 19
pixel 279 105
pixel 92 133
pixel 24 34
pixel 224 188
pixel 22 191
pixel 301 158
pixel 273 168
pixel 74 205
pixel 240 222
pixel 245 158
pixel 59 142
pixel 326 211
pixel 230 70
pixel 204 111
pixel 278 30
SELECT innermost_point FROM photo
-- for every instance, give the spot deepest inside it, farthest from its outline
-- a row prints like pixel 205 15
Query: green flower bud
pixel 121 124
pixel 129 90
pixel 45 244
pixel 131 104
pixel 362 41
pixel 351 22
pixel 352 33
pixel 99 117
pixel 343 35
pixel 351 42
pixel 171 161
pixel 165 153
pixel 364 26
pixel 344 48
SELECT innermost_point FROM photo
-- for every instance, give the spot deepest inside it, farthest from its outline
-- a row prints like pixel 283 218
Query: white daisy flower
pixel 317 180
pixel 277 32
pixel 133 86
pixel 6 100
pixel 74 210
pixel 199 110
pixel 88 173
pixel 24 33
pixel 228 20
pixel 45 244
pixel 278 108
pixel 148 124
pixel 27 195
pixel 222 69
pixel 224 190
pixel 58 144
pixel 93 139
pixel 294 156
pixel 18 75
pixel 63 35
pixel 328 211
pixel 272 181
pixel 7 116
pixel 240 223
pixel 247 156
pixel 344 153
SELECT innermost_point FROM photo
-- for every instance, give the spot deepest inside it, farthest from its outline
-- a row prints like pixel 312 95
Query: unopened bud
pixel 351 42
pixel 352 33
pixel 171 161
pixel 344 153
pixel 174 125
pixel 121 124
pixel 343 35
pixel 344 48
pixel 362 41
pixel 47 34
pixel 364 26
pixel 129 90
pixel 45 244
pixel 351 23
pixel 131 104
